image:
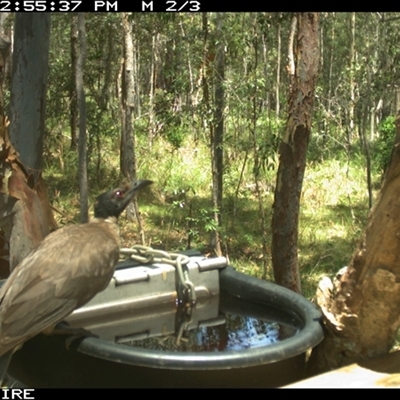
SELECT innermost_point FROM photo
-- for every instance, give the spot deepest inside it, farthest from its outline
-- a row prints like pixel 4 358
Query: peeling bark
pixel 25 212
pixel 293 151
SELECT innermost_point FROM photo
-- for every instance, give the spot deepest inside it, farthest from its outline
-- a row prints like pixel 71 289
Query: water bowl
pixel 243 332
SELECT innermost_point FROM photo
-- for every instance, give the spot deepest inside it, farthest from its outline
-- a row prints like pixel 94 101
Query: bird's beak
pixel 134 188
pixel 140 184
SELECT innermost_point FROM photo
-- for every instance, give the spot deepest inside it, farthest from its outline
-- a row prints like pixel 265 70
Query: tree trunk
pixel 258 155
pixel 293 151
pixel 22 184
pixel 352 78
pixel 152 117
pixel 28 88
pixel 73 103
pixel 136 71
pixel 218 134
pixel 5 51
pixel 127 162
pixel 189 63
pixel 82 148
pixel 127 154
pixel 367 104
pixel 106 90
pixel 361 306
pixel 207 74
pixel 331 63
pixel 278 67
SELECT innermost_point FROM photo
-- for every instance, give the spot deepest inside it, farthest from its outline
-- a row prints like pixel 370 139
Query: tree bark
pixel 73 103
pixel 256 110
pixel 5 51
pixel 152 116
pixel 23 188
pixel 361 305
pixel 127 150
pixel 127 162
pixel 218 135
pixel 28 88
pixel 278 67
pixel 207 75
pixel 293 150
pixel 352 82
pixel 82 145
pixel 331 63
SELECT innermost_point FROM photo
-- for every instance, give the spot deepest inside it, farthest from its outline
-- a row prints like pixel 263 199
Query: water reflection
pixel 234 334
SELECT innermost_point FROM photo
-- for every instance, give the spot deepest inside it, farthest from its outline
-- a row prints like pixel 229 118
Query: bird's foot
pixel 73 333
pixel 80 334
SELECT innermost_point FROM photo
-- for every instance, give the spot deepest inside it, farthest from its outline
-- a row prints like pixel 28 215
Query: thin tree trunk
pixel 205 72
pixel 256 111
pixel 73 103
pixel 265 104
pixel 293 150
pixel 278 67
pixel 352 80
pixel 374 69
pixel 136 70
pixel 189 64
pixel 108 70
pixel 329 97
pixel 206 75
pixel 82 148
pixel 127 162
pixel 397 99
pixel 367 104
pixel 217 138
pixel 365 147
pixel 127 150
pixel 152 127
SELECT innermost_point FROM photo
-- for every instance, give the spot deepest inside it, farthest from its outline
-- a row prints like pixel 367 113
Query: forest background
pixel 352 135
pixel 210 92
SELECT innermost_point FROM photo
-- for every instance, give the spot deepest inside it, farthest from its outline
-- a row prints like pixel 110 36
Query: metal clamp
pixel 148 255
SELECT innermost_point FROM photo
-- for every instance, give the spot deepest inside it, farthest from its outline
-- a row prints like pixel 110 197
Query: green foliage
pixel 383 145
pixel 200 223
pixel 172 126
pixel 204 219
pixel 176 137
pixel 333 214
pixel 271 129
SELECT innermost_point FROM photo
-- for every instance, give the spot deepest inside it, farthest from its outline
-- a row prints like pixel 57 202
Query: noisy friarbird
pixel 63 273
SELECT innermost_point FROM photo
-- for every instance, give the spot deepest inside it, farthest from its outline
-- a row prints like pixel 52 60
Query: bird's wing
pixel 68 269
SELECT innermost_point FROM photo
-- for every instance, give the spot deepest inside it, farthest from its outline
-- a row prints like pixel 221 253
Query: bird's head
pixel 113 202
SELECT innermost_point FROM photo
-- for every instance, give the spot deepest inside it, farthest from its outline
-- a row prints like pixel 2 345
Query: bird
pixel 67 269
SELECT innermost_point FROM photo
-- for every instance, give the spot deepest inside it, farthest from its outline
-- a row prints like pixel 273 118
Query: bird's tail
pixel 4 363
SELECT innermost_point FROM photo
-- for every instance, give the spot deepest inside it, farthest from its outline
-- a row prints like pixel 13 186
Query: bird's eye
pixel 119 194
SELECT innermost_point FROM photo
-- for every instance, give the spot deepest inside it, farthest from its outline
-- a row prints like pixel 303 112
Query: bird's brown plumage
pixel 63 278
pixel 64 272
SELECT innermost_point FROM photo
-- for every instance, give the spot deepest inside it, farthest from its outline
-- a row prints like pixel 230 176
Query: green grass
pixel 334 205
pixel 334 212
